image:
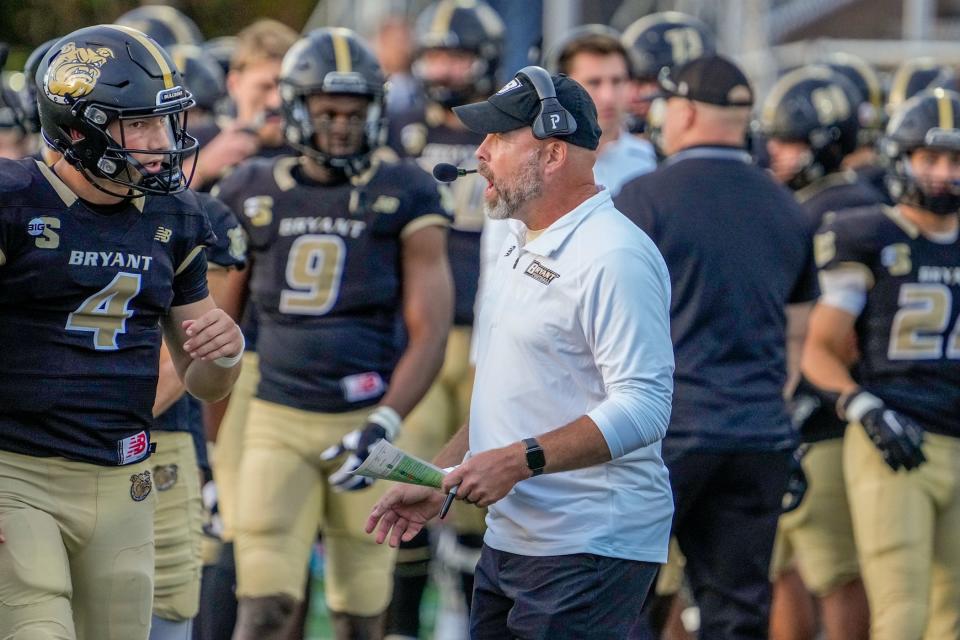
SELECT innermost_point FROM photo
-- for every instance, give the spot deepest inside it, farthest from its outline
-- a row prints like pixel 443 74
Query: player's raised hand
pixel 213 335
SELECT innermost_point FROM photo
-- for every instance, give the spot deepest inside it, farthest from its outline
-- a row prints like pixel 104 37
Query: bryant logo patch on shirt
pixel 540 273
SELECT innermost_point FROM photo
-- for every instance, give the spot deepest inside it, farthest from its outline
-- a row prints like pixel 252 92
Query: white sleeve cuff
pixel 844 289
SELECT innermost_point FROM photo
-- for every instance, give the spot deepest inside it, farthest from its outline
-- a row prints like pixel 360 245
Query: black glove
pixel 796 481
pixel 898 438
pixel 382 424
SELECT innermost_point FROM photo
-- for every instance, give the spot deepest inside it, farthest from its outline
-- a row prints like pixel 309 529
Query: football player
pixel 345 242
pixel 458 47
pixel 871 115
pixel 811 125
pixel 181 458
pixel 98 253
pixel 657 41
pixel 256 128
pixel 893 276
pixel 594 56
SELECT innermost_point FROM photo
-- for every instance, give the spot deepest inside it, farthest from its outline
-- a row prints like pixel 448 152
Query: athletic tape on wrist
pixel 388 418
pixel 228 362
pixel 859 404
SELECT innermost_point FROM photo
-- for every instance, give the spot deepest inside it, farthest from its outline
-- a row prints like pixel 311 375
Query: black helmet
pixel 202 76
pixel 870 111
pixel 914 76
pixel 335 61
pixel 931 119
pixel 94 76
pixel 28 95
pixel 817 106
pixel 221 49
pixel 667 39
pixel 461 25
pixel 164 24
pixel 556 59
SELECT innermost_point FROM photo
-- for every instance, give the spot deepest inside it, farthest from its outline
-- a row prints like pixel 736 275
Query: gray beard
pixel 527 185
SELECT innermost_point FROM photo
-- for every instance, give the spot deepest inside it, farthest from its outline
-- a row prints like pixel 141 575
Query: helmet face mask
pixel 95 81
pixel 451 77
pixel 459 29
pixel 921 132
pixel 332 95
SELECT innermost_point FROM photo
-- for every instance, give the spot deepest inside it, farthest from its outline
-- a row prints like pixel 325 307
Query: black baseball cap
pixel 517 104
pixel 711 79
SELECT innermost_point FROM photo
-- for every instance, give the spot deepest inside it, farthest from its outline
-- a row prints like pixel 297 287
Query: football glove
pixel 383 423
pixel 897 437
pixel 796 481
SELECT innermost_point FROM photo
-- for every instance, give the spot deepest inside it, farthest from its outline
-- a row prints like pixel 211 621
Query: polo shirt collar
pixel 711 152
pixel 557 233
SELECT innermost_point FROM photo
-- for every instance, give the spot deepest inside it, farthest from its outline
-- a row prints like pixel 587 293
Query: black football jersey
pixel 228 251
pixel 908 333
pixel 82 293
pixel 832 195
pixel 422 134
pixel 326 280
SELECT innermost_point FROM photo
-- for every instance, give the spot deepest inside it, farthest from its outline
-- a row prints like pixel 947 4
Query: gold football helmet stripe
pixel 945 109
pixel 341 50
pixel 153 50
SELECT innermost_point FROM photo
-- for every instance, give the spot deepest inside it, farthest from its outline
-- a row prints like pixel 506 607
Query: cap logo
pixel 74 72
pixel 510 86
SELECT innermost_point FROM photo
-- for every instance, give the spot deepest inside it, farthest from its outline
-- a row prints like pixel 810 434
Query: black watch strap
pixel 535 459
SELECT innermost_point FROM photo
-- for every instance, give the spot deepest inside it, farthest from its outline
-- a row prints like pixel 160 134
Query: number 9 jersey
pixel 326 278
pixel 908 328
pixel 82 293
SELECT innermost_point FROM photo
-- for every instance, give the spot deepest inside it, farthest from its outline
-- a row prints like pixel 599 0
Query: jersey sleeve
pixel 839 245
pixel 190 275
pixel 254 213
pixel 425 205
pixel 230 248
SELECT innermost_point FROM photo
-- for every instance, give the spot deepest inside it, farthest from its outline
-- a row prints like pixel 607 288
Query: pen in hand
pixel 452 494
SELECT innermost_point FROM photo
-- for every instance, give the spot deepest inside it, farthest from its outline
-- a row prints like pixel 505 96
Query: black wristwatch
pixel 535 460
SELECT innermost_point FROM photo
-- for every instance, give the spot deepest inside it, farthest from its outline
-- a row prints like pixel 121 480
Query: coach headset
pixel 553 119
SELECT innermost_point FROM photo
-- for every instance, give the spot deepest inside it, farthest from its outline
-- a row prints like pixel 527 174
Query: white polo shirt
pixel 577 322
pixel 622 160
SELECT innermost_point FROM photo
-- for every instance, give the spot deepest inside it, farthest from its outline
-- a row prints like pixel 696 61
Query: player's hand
pixel 487 477
pixel 383 423
pixel 229 148
pixel 806 402
pixel 402 512
pixel 213 335
pixel 796 481
pixel 898 438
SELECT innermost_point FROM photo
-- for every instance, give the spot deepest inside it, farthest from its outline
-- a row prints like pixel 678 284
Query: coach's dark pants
pixel 582 596
pixel 726 511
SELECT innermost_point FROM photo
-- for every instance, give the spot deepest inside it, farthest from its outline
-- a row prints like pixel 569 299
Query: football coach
pixel 573 387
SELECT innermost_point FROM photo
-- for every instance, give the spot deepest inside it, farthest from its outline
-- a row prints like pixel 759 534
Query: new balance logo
pixel 163 234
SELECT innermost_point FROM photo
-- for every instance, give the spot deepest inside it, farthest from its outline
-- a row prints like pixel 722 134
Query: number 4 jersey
pixel 81 298
pixel 908 331
pixel 326 277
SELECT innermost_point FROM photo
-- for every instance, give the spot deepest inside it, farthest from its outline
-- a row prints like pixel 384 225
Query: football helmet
pixel 666 39
pixel 817 106
pixel 461 25
pixel 931 119
pixel 202 75
pixel 28 96
pixel 222 50
pixel 915 75
pixel 870 111
pixel 164 24
pixel 98 75
pixel 332 61
pixel 556 58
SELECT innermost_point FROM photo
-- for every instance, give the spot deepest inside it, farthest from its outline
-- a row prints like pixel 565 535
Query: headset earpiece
pixel 553 119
